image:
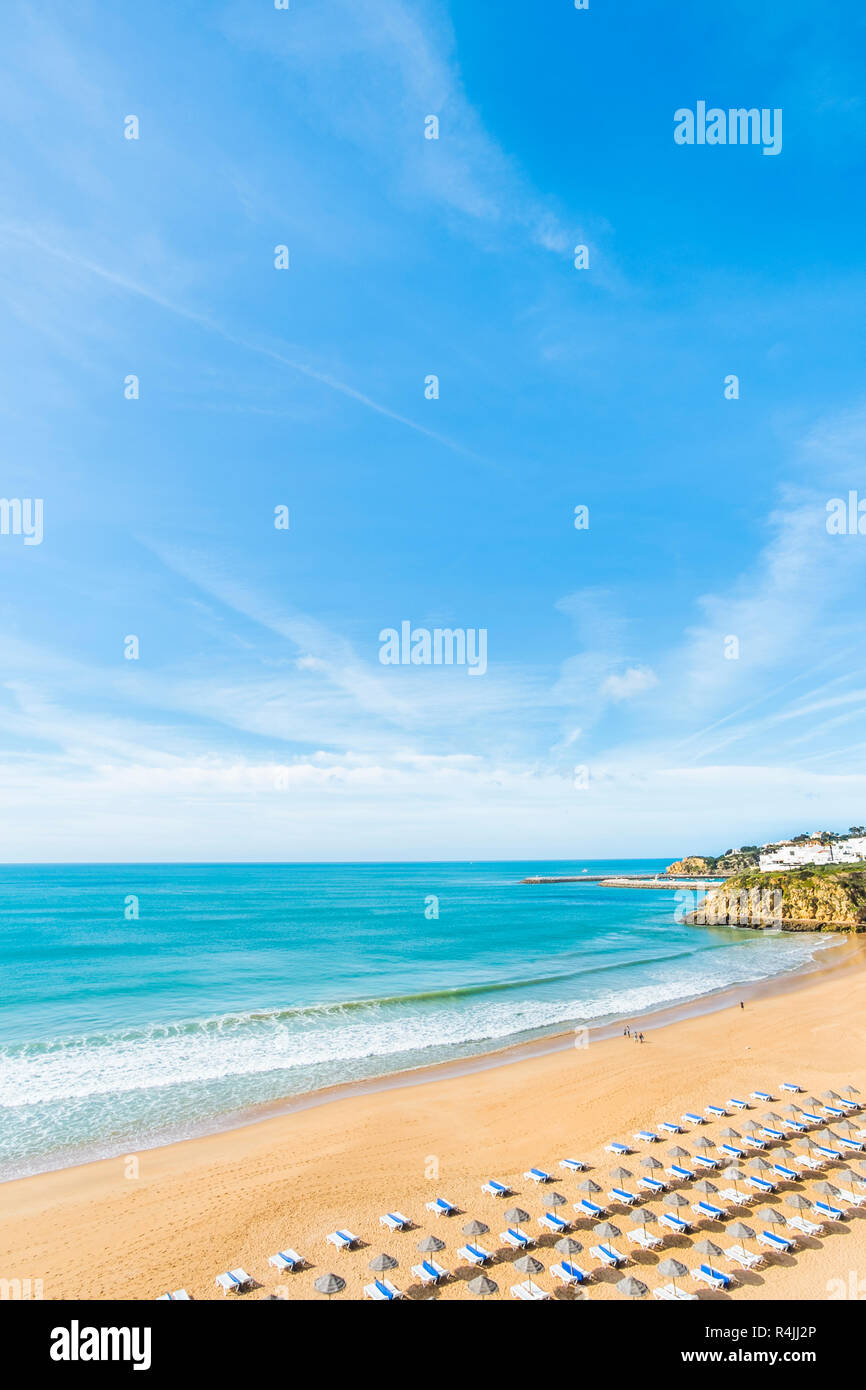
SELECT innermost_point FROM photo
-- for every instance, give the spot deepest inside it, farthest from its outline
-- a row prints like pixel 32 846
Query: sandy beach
pixel 177 1216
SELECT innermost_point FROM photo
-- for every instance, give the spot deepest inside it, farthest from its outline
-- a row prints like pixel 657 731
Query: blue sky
pixel 258 722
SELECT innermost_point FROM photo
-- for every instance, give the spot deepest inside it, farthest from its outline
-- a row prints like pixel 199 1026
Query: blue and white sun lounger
pixel 772 1133
pixel 572 1165
pixel 518 1240
pixel 832 1213
pixel 382 1291
pixel 587 1208
pixel 828 1153
pixel 568 1273
pixel 691 1118
pixel 671 1294
pixel 813 1119
pixel 717 1111
pixel 608 1255
pixel 619 1194
pixel 675 1223
pixel 760 1184
pixel 429 1272
pixel 738 1104
pixel 287 1260
pixel 652 1185
pixel 774 1242
pixel 475 1254
pixel 441 1208
pixel 342 1240
pixel 707 1209
pixel 761 1095
pixel 705 1161
pixel 706 1274
pixel 848 1104
pixel 677 1171
pixel 495 1189
pixel 670 1128
pixel 554 1223
pixel 789 1174
pixel 790 1087
pixel 619 1149
pixel 395 1221
pixel 796 1126
pixel 179 1296
pixel 234 1281
pixel 732 1151
pixel 536 1175
pixel 834 1111
pixel 646 1136
pixel 854 1145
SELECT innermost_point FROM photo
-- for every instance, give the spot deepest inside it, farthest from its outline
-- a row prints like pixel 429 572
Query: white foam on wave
pixel 255 1044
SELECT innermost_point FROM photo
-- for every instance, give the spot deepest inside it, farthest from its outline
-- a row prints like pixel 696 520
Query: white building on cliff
pixel 790 856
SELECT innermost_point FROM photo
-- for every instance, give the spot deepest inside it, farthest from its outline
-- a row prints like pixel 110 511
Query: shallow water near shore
pixel 238 985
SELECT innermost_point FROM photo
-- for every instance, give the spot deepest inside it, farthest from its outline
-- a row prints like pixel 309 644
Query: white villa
pixel 790 856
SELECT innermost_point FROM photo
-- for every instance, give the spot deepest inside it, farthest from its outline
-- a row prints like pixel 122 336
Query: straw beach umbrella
pixel 556 1199
pixel 706 1247
pixel 740 1231
pixel 607 1230
pixel 586 1186
pixel 705 1186
pixel 676 1199
pixel 679 1152
pixel 775 1218
pixel 475 1228
pixel 728 1133
pixel 652 1165
pixel 631 1287
pixel 482 1287
pixel 431 1245
pixel 760 1165
pixel 380 1263
pixel 621 1174
pixel 796 1199
pixel 704 1143
pixel 568 1246
pixel 826 1189
pixel 329 1284
pixel 516 1216
pixel 673 1269
pixel 528 1264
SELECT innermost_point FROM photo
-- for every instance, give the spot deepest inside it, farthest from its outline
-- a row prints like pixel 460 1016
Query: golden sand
pixel 206 1205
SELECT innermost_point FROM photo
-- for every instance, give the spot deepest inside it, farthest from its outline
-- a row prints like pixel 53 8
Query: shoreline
pixel 174 1217
pixel 835 954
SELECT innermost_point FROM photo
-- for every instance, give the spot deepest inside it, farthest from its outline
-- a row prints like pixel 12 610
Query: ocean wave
pixel 305 1037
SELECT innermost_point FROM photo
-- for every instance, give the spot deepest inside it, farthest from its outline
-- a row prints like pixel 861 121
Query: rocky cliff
pixel 688 867
pixel 813 899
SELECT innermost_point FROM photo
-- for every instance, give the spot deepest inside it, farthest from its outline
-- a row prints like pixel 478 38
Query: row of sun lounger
pixel 430 1272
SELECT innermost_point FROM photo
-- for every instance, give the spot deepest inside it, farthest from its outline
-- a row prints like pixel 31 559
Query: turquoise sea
pixel 243 983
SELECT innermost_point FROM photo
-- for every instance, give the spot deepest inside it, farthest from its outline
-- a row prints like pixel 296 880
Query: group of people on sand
pixel 627 1033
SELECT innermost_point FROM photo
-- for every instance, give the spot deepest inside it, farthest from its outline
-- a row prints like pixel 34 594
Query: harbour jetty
pixel 635 881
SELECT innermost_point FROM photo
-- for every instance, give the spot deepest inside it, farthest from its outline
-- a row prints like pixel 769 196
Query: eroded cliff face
pixel 791 901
